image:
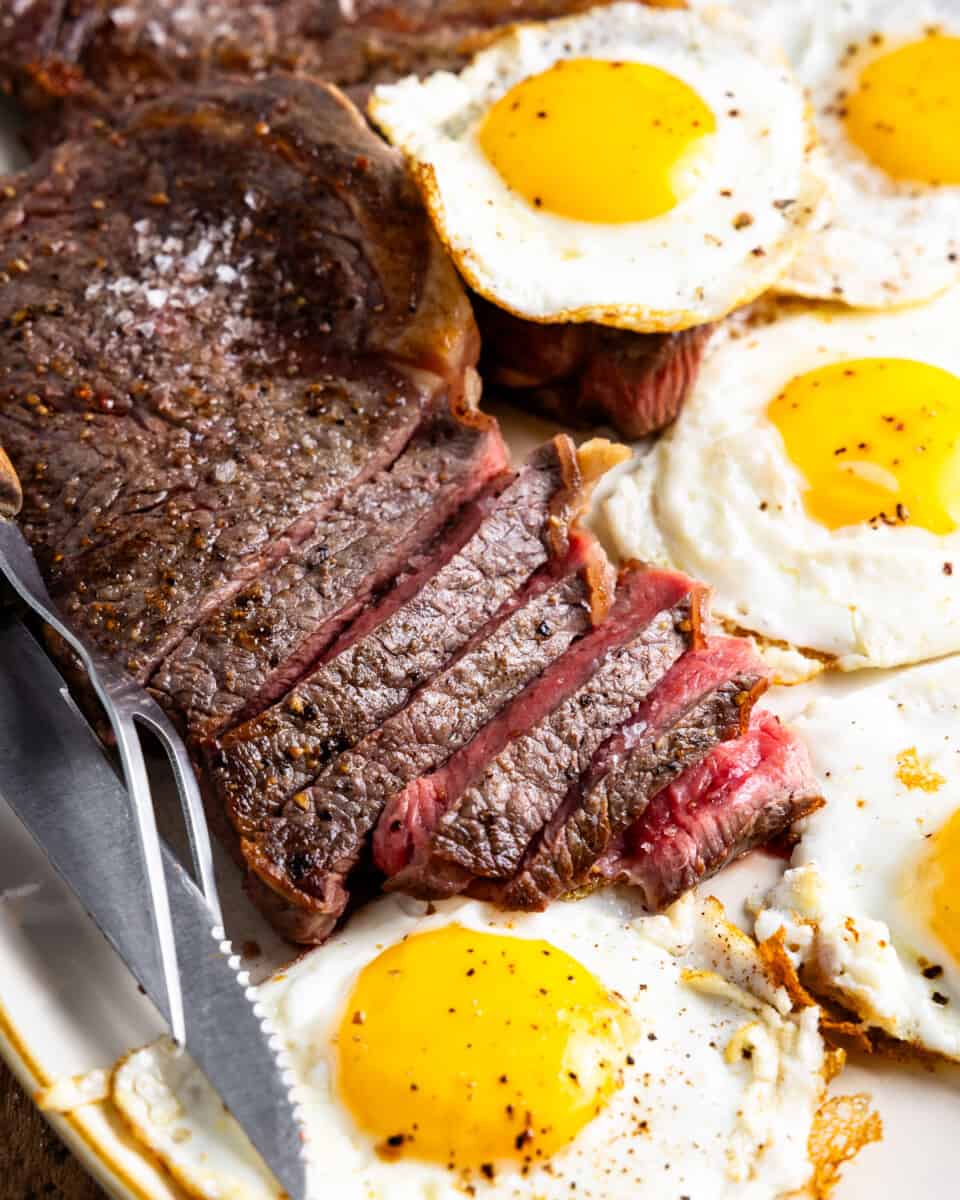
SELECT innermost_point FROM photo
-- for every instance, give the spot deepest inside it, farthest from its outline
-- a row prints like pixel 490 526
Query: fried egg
pixel 871 903
pixel 883 78
pixel 637 167
pixel 453 1046
pixel 813 480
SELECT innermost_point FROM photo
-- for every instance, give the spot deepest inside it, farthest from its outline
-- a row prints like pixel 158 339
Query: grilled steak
pixel 85 58
pixel 706 698
pixel 236 378
pixel 250 653
pixel 475 573
pixel 744 794
pixel 319 835
pixel 215 323
pixel 589 374
pixel 476 816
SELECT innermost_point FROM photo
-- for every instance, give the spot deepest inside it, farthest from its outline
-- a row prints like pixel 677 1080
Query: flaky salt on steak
pixel 213 324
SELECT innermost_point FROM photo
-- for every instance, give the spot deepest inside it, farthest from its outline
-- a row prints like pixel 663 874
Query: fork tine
pixel 138 786
pixel 156 720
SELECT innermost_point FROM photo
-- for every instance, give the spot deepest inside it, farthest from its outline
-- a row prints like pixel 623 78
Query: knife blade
pixel 56 778
pixel 123 701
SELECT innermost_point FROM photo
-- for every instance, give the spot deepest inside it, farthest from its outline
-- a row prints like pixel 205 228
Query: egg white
pixel 690 265
pixel 726 1075
pixel 878 241
pixel 849 911
pixel 719 497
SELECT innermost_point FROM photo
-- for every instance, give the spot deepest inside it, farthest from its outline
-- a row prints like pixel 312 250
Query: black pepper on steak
pixel 213 321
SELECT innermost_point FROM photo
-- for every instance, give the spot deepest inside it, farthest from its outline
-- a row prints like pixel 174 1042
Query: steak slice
pixel 90 57
pixel 218 319
pixel 475 816
pixel 705 699
pixel 590 374
pixel 307 851
pixel 745 793
pixel 476 570
pixel 250 653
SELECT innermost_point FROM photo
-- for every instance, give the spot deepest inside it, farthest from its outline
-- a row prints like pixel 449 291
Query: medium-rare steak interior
pixel 476 816
pixel 479 572
pixel 237 381
pixel 321 833
pixel 742 795
pixel 705 698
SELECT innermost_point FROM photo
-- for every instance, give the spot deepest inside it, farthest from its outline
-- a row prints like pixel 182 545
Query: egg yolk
pixel 939 879
pixel 468 1048
pixel 905 111
pixel 599 141
pixel 876 440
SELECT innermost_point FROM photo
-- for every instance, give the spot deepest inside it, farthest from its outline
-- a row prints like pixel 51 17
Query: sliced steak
pixel 589 374
pixel 705 699
pixel 475 574
pixel 250 653
pixel 745 793
pixel 216 321
pixel 475 817
pixel 308 850
pixel 83 59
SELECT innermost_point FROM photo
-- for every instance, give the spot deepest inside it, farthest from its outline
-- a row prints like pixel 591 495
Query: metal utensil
pixel 124 702
pixel 99 838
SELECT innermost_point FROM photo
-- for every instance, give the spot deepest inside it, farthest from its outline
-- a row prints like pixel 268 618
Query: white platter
pixel 67 1005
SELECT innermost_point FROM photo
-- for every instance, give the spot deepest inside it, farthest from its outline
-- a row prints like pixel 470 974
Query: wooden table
pixel 34 1163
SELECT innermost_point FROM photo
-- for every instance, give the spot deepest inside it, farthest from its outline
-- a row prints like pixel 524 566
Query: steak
pixel 475 574
pixel 745 793
pixel 590 374
pixel 309 849
pixel 476 816
pixel 75 61
pixel 251 652
pixel 216 322
pixel 706 698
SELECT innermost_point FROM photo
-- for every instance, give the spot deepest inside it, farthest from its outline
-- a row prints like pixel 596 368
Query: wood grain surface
pixel 34 1163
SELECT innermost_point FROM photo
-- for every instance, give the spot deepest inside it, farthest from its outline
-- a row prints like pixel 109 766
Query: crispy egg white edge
pixel 880 241
pixel 715 965
pixel 504 247
pixel 860 596
pixel 841 902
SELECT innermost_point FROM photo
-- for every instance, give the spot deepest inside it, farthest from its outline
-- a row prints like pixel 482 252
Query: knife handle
pixel 11 494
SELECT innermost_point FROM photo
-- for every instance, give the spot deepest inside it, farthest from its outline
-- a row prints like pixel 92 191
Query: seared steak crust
pixel 251 652
pixel 81 59
pixel 474 823
pixel 214 322
pixel 589 374
pixel 396 647
pixel 705 699
pixel 320 834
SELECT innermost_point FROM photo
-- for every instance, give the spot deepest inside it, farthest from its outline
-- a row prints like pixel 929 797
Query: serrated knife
pixel 56 778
